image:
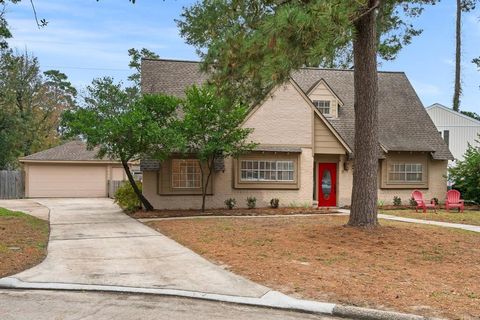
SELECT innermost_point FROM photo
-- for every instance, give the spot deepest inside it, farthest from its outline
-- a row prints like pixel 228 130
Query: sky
pixel 87 39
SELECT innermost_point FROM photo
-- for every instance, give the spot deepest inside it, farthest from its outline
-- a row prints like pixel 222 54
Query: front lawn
pixel 412 268
pixel 467 217
pixel 23 241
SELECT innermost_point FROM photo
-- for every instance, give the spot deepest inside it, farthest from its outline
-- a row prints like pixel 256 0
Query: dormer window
pixel 323 106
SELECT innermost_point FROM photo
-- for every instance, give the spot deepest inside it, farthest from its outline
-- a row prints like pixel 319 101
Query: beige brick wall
pixel 223 189
pixel 284 118
pixel 437 185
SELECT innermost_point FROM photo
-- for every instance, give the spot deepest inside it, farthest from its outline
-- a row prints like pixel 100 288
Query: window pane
pixel 261 170
pixel 405 172
pixel 186 173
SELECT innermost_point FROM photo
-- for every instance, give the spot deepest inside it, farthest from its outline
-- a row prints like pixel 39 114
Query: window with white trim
pixel 186 174
pixel 405 172
pixel 267 170
pixel 323 106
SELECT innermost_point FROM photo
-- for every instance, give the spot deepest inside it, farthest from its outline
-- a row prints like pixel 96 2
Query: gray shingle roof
pixel 404 123
pixel 70 151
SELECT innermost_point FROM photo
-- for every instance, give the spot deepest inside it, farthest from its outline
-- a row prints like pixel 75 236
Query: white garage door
pixel 66 181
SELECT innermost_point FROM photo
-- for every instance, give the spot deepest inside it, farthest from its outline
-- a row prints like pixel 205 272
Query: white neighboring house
pixel 457 129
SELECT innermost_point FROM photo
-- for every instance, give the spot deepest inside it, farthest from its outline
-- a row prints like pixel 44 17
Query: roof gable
pixel 322 83
pixel 283 117
pixel 453 113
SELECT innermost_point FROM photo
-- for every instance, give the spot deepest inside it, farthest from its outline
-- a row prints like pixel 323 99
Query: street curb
pixel 373 314
pixel 271 299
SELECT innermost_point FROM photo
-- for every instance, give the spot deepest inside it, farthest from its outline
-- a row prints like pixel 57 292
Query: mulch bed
pixel 23 241
pixel 225 212
pixel 418 269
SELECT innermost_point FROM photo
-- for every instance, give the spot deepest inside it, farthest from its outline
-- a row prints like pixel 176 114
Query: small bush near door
pixel 251 202
pixel 412 202
pixel 274 203
pixel 230 203
pixel 397 201
pixel 126 198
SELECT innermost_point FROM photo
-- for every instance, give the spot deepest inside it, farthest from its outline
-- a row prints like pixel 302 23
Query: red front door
pixel 327 184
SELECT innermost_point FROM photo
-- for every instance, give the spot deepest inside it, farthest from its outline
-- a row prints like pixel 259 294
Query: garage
pixel 70 171
pixel 60 180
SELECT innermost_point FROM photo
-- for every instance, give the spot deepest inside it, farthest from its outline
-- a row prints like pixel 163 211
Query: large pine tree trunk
pixel 146 204
pixel 458 58
pixel 365 172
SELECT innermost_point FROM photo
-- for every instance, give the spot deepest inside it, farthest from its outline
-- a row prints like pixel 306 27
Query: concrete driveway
pixel 93 242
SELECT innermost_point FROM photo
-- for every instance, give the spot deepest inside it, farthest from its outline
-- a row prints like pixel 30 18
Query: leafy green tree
pixel 4 29
pixel 471 114
pixel 125 126
pixel 465 175
pixel 9 140
pixel 34 99
pixel 249 46
pixel 211 130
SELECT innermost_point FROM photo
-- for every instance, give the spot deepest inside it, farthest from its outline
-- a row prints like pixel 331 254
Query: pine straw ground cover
pixel 418 269
pixel 23 241
pixel 467 217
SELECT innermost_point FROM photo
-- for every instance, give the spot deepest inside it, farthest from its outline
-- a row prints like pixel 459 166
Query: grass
pixel 466 217
pixel 418 269
pixel 23 241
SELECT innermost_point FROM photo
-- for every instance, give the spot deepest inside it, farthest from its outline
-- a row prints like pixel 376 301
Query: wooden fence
pixel 113 185
pixel 12 184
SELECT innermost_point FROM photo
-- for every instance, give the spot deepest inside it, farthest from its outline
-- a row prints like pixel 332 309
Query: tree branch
pixel 40 23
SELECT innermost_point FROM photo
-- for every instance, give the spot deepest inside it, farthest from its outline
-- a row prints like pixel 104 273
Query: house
pixel 69 171
pixel 457 129
pixel 305 131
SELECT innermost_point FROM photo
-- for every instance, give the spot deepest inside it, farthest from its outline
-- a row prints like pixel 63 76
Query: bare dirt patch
pixel 412 268
pixel 23 241
pixel 284 211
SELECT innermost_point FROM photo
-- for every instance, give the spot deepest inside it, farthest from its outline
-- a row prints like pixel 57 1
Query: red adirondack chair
pixel 418 197
pixel 453 201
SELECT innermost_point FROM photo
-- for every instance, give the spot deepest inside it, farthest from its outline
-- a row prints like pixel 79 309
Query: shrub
pixel 435 200
pixel 230 203
pixel 465 175
pixel 126 198
pixel 251 202
pixel 380 203
pixel 412 202
pixel 274 203
pixel 397 201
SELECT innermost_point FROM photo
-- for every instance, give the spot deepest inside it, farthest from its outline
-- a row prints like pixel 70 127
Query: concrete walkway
pixel 467 227
pixel 27 206
pixel 92 242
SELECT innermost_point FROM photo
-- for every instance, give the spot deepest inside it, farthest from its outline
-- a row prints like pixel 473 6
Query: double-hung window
pixel 323 106
pixel 186 174
pixel 405 172
pixel 267 170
